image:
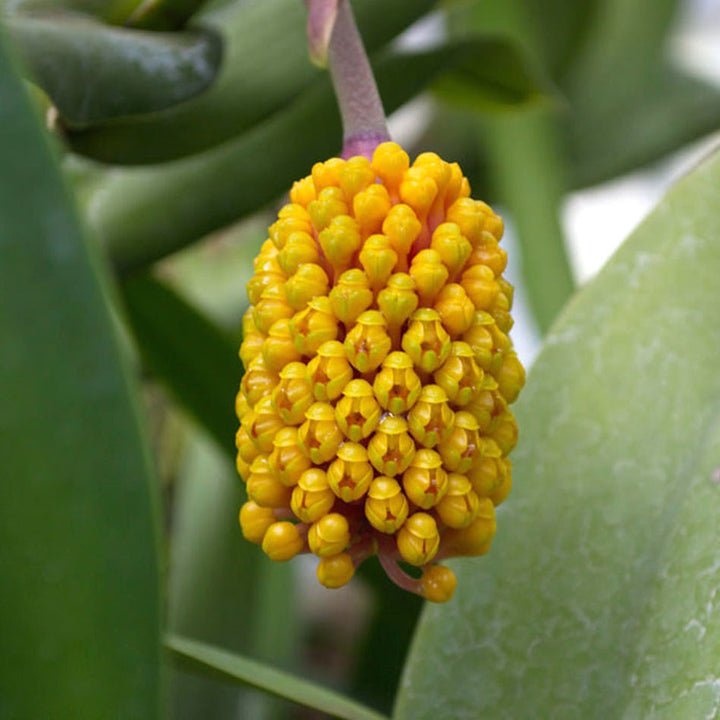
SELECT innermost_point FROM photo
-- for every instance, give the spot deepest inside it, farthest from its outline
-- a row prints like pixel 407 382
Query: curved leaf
pixel 238 669
pixel 265 67
pixel 145 213
pixel 598 598
pixel 93 71
pixel 80 620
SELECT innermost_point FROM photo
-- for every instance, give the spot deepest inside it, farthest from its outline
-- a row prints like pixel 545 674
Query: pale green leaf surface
pixel 93 72
pixel 598 599
pixel 80 618
pixel 265 67
pixel 238 669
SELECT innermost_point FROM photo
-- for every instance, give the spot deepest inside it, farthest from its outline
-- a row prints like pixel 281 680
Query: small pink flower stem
pixel 361 109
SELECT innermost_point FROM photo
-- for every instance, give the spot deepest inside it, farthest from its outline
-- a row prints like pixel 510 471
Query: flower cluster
pixel 374 410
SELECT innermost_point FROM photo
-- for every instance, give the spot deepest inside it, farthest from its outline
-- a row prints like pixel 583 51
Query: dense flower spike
pixel 374 409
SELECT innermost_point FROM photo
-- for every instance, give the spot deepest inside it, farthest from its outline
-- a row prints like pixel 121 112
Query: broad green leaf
pixel 265 67
pixel 190 355
pixel 93 71
pixel 80 620
pixel 238 669
pixel 598 597
pixel 145 213
pixel 164 14
pixel 223 590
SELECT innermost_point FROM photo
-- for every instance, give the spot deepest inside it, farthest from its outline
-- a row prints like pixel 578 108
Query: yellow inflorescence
pixel 374 410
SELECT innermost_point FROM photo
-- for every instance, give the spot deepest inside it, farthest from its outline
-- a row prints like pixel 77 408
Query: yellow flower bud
pixel 273 306
pixel 278 348
pixel 293 211
pixel 462 447
pixel 350 474
pixel 431 420
pixel 281 230
pixel 368 343
pixel 461 504
pixel 287 462
pixel 505 486
pixel 251 347
pixel 391 449
pixel 457 186
pixel 303 191
pixel 327 174
pixel 299 248
pixel 260 282
pixel 312 497
pixel 483 406
pixel 480 338
pixel 390 162
pixel 378 259
pixel 480 286
pixel 460 377
pixel 319 436
pixel 453 249
pixel 241 405
pixel 426 341
pixel 329 371
pixel 474 539
pixel 438 583
pixel 330 535
pixel 282 541
pixel 242 468
pixel 455 309
pixel 311 327
pixel 402 228
pixel 339 241
pixel 335 571
pixel 386 508
pixel 293 395
pixel 258 381
pixel 329 204
pixel 418 539
pixel 488 252
pixel 418 190
pixel 262 424
pixel 247 450
pixel 397 386
pixel 473 217
pixel 504 431
pixel 500 312
pixel 487 474
pixel 398 300
pixel 429 274
pixel 511 377
pixel 371 207
pixel 351 296
pixel 308 282
pixel 255 520
pixel 425 482
pixel 355 176
pixel 263 488
pixel 357 412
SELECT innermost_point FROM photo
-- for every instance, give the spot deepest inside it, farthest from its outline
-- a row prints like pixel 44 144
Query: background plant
pixel 598 597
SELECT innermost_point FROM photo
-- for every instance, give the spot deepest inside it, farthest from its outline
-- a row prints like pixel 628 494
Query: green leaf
pixel 189 354
pixel 93 72
pixel 597 599
pixel 80 620
pixel 223 590
pixel 265 67
pixel 145 213
pixel 239 669
pixel 673 110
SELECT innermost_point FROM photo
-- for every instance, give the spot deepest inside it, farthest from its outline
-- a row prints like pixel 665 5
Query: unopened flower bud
pixel 391 449
pixel 339 241
pixel 330 535
pixel 299 248
pixel 462 446
pixel 350 474
pixel 329 371
pixel 460 377
pixel 386 507
pixel 461 504
pixel 329 204
pixel 335 571
pixel 371 207
pixel 278 349
pixel 480 285
pixel 426 341
pixel 438 583
pixel 312 497
pixel 390 162
pixel 455 309
pixel 273 305
pixel 282 541
pixel 255 520
pixel 474 539
pixel 431 420
pixel 293 395
pixel 425 481
pixel 397 386
pixel 351 296
pixel 287 462
pixel 319 436
pixel 313 326
pixel 429 274
pixel 308 282
pixel 418 539
pixel 398 300
pixel 368 343
pixel 357 413
pixel 263 421
pixel 355 176
pixel 263 488
pixel 453 249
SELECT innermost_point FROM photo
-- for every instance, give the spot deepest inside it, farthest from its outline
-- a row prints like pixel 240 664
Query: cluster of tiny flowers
pixel 374 409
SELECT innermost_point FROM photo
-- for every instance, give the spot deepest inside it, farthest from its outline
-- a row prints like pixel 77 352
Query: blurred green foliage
pixel 168 121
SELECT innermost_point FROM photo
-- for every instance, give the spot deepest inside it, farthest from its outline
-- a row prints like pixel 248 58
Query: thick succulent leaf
pixel 598 598
pixel 145 213
pixel 80 620
pixel 672 111
pixel 93 71
pixel 239 669
pixel 265 66
pixel 187 353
